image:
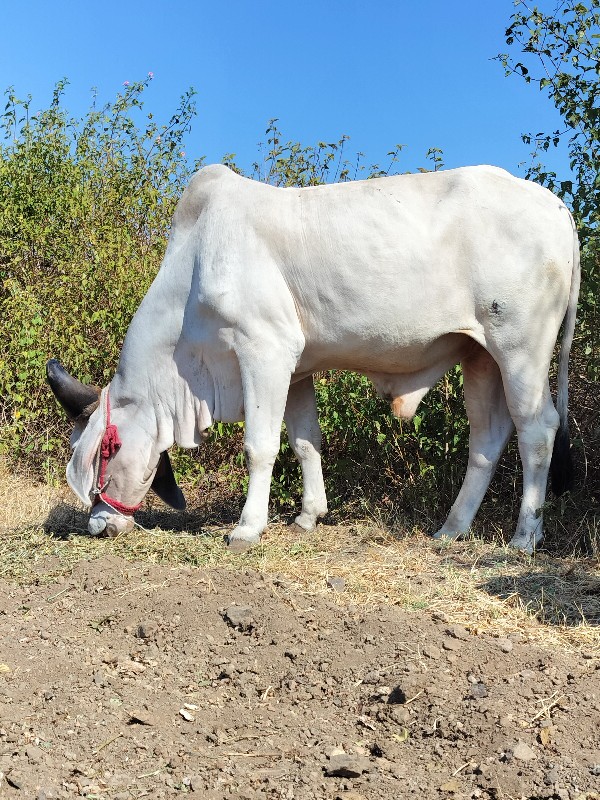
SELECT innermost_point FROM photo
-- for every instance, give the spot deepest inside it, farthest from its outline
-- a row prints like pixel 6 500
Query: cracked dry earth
pixel 125 680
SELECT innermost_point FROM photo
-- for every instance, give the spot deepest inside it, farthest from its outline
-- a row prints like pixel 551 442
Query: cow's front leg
pixel 304 434
pixel 265 385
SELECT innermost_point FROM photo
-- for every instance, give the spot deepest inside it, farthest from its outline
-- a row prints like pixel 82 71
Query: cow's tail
pixel 561 466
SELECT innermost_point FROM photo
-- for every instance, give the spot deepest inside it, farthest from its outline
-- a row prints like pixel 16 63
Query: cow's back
pixel 378 267
pixel 390 265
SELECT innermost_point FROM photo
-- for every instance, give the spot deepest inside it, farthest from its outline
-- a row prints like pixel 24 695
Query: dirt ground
pixel 124 680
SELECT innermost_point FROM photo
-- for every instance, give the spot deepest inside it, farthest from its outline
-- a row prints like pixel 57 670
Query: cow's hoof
pixel 527 543
pixel 448 535
pixel 298 529
pixel 240 540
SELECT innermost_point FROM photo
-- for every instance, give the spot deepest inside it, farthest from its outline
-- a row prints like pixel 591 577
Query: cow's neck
pixel 165 364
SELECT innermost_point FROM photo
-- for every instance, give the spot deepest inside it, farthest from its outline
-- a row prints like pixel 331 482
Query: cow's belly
pixel 379 355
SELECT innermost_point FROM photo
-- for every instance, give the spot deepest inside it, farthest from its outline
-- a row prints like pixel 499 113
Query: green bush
pixel 85 208
pixel 558 51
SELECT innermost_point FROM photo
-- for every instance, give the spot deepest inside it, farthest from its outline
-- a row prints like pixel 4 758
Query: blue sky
pixel 383 72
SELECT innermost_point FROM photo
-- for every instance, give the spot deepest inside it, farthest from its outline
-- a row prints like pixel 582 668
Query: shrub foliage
pixel 556 48
pixel 85 206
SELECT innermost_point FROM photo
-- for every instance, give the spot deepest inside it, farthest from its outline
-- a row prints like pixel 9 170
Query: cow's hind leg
pixel 490 429
pixel 536 421
pixel 265 377
pixel 304 434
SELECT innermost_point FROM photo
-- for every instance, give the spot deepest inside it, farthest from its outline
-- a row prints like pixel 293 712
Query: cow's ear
pixel 165 486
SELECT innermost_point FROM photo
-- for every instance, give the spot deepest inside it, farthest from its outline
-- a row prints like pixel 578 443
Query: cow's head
pixel 111 474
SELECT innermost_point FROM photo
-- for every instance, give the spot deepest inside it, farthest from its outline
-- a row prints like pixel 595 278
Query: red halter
pixel 108 447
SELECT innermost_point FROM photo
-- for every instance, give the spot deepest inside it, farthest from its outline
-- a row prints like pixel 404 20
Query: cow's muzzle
pixel 104 521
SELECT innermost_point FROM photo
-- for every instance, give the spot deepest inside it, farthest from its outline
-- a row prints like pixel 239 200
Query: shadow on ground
pixel 65 520
pixel 556 591
pixel 568 598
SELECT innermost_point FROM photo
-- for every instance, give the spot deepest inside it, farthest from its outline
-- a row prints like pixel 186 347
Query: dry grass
pixel 484 586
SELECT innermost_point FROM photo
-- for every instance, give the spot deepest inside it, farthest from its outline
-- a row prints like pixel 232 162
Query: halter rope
pixel 109 445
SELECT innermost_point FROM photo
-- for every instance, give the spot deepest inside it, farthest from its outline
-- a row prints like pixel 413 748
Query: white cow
pixel 398 278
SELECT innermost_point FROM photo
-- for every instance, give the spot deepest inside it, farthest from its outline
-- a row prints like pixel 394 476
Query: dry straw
pixel 481 585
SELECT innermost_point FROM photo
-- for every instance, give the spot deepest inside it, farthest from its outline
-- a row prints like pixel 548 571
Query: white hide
pixel 399 278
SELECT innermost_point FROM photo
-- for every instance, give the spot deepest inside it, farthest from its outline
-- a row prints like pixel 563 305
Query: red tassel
pixel 108 447
pixel 110 441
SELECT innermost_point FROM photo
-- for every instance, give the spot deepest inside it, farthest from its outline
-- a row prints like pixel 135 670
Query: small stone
pixel 545 736
pixel 130 666
pixel 527 674
pixel 366 722
pixel 399 714
pixel 48 793
pixel 344 765
pixel 240 617
pixel 14 779
pixel 452 786
pixel 505 645
pixel 551 776
pixel 337 584
pixel 383 691
pixel 371 677
pixel 452 644
pixel 34 754
pixel 478 691
pixel 146 630
pixel 431 651
pixel 196 783
pixel 98 678
pixel 141 717
pixel 523 752
pixel 458 632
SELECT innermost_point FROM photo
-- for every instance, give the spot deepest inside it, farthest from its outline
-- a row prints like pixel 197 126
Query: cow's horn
pixel 73 395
